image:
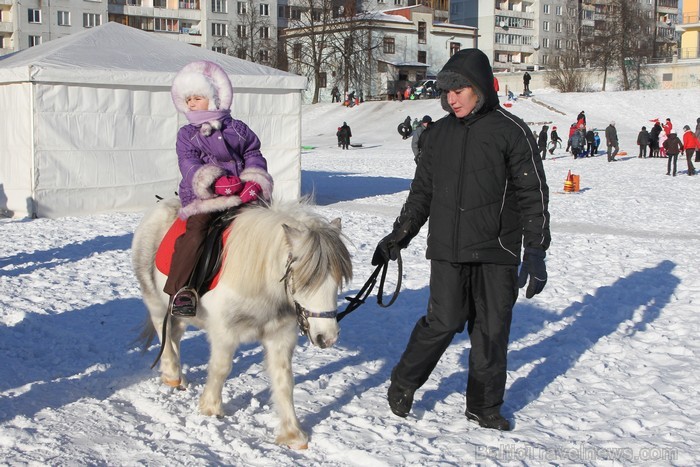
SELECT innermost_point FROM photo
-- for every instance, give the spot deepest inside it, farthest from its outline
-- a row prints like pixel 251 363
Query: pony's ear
pixel 337 223
pixel 291 234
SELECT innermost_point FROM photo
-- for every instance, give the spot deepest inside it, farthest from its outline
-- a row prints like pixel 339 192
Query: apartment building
pixel 690 30
pixel 530 34
pixel 245 28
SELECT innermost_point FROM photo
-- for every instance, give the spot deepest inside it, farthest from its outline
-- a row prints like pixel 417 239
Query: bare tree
pixel 326 35
pixel 621 41
pixel 254 37
pixel 565 75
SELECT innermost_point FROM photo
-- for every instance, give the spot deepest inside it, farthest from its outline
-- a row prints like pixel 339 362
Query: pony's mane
pixel 257 244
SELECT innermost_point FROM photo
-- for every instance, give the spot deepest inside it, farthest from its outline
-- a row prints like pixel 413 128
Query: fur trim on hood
pixel 202 78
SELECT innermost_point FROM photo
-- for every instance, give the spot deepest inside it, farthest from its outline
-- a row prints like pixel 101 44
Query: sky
pixel 602 365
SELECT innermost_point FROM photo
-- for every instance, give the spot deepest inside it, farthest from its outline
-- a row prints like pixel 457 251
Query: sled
pixel 356 145
pixel 307 148
pixel 621 153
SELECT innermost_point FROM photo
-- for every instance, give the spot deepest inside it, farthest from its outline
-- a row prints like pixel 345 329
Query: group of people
pixel 663 141
pixel 344 134
pixel 350 100
pixel 479 223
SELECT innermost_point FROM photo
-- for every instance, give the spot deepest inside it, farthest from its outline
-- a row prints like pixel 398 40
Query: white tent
pixel 88 124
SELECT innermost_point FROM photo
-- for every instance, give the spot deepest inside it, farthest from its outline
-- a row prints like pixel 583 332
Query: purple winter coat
pixel 232 150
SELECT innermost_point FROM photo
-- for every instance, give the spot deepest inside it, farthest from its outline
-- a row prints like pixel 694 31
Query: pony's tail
pixel 145 337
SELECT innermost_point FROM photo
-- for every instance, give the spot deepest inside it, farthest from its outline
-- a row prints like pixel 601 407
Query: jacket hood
pixel 473 65
pixel 202 78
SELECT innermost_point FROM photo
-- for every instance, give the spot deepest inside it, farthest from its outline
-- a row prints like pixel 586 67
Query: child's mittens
pixel 250 192
pixel 228 185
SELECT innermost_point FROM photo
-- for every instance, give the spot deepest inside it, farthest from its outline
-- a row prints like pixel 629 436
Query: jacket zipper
pixel 458 213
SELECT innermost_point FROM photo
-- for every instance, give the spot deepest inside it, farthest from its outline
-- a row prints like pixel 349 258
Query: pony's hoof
pixel 293 442
pixel 179 384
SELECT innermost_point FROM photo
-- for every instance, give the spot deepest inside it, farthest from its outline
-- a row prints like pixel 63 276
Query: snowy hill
pixel 602 365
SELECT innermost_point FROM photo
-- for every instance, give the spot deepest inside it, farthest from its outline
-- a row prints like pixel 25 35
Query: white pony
pixel 283 264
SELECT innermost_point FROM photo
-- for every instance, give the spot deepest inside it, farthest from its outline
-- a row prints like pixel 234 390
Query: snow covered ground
pixel 602 364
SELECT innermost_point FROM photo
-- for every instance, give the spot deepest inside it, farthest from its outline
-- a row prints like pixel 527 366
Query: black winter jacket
pixel 480 180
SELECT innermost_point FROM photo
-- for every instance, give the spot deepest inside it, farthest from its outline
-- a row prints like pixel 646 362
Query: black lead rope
pixel 366 289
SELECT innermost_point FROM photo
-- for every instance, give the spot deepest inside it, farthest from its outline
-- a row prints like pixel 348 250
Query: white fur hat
pixel 202 78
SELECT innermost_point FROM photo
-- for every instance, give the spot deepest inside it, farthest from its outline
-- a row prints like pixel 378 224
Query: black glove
pixel 387 249
pixel 534 267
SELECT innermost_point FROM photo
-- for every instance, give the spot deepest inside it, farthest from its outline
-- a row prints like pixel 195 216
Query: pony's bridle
pixel 303 314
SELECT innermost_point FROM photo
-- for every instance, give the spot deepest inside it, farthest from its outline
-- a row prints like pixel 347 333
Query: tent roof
pixel 117 54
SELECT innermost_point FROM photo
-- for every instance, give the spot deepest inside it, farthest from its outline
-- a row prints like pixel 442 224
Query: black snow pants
pixel 482 297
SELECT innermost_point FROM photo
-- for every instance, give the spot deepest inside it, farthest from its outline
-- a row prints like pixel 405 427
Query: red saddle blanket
pixel 164 255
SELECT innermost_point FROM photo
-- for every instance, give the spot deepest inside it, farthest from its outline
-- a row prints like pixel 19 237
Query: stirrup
pixel 184 303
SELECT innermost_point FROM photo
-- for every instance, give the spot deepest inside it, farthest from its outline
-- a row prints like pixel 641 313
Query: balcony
pixel 6 27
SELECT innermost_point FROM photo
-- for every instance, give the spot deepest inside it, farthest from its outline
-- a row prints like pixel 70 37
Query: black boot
pixel 400 399
pixel 494 421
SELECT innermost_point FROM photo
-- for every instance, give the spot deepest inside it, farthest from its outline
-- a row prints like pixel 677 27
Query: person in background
pixel 572 130
pixel 668 127
pixel 596 142
pixel 554 140
pixel 673 146
pixel 416 142
pixel 611 141
pixel 691 145
pixel 654 139
pixel 697 135
pixel 481 182
pixel 581 120
pixel 335 95
pixel 578 142
pixel 526 83
pixel 496 86
pixel 542 142
pixel 221 166
pixel 345 134
pixel 590 142
pixel 405 129
pixel 643 142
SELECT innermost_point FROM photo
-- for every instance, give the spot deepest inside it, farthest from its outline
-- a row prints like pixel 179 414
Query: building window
pixel 454 48
pixel 296 51
pixel 242 8
pixel 545 9
pixel 166 24
pixel 160 3
pixel 422 32
pixel 91 20
pixel 218 6
pixel 545 25
pixel 558 10
pixel 263 56
pixel 422 56
pixel 264 9
pixel 389 45
pixel 34 16
pixel 296 13
pixel 242 30
pixel 219 49
pixel 218 29
pixel 264 32
pixel 63 18
pixel 241 53
pixel 545 42
pixel 189 4
pixel 322 79
pixel 558 27
pixel 34 40
pixel 557 43
pixel 397 2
